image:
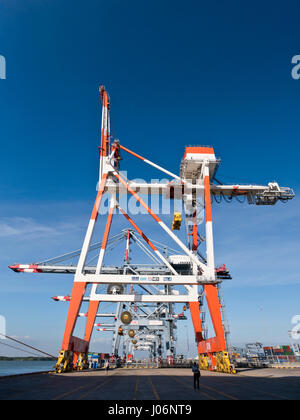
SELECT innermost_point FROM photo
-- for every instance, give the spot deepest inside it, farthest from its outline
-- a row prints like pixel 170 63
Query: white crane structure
pixel 187 277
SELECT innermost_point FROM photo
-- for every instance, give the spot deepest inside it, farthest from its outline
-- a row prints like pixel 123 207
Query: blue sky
pixel 178 73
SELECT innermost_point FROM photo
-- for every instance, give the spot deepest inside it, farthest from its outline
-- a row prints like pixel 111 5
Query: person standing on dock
pixel 197 375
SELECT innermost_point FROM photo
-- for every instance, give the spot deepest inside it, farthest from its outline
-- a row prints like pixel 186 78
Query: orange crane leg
pixel 75 304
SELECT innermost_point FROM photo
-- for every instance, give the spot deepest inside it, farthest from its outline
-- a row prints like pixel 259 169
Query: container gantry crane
pixel 186 278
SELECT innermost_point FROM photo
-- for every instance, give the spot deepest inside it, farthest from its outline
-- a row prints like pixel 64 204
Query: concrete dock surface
pixel 153 384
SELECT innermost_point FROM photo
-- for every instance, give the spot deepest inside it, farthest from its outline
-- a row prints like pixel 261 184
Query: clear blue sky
pixel 178 73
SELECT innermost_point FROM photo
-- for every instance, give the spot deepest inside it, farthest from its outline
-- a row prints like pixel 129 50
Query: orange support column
pixel 91 317
pixel 217 343
pixel 212 299
pixel 75 303
pixel 208 224
pixel 196 318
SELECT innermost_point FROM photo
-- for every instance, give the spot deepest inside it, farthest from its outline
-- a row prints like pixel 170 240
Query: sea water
pixel 15 367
